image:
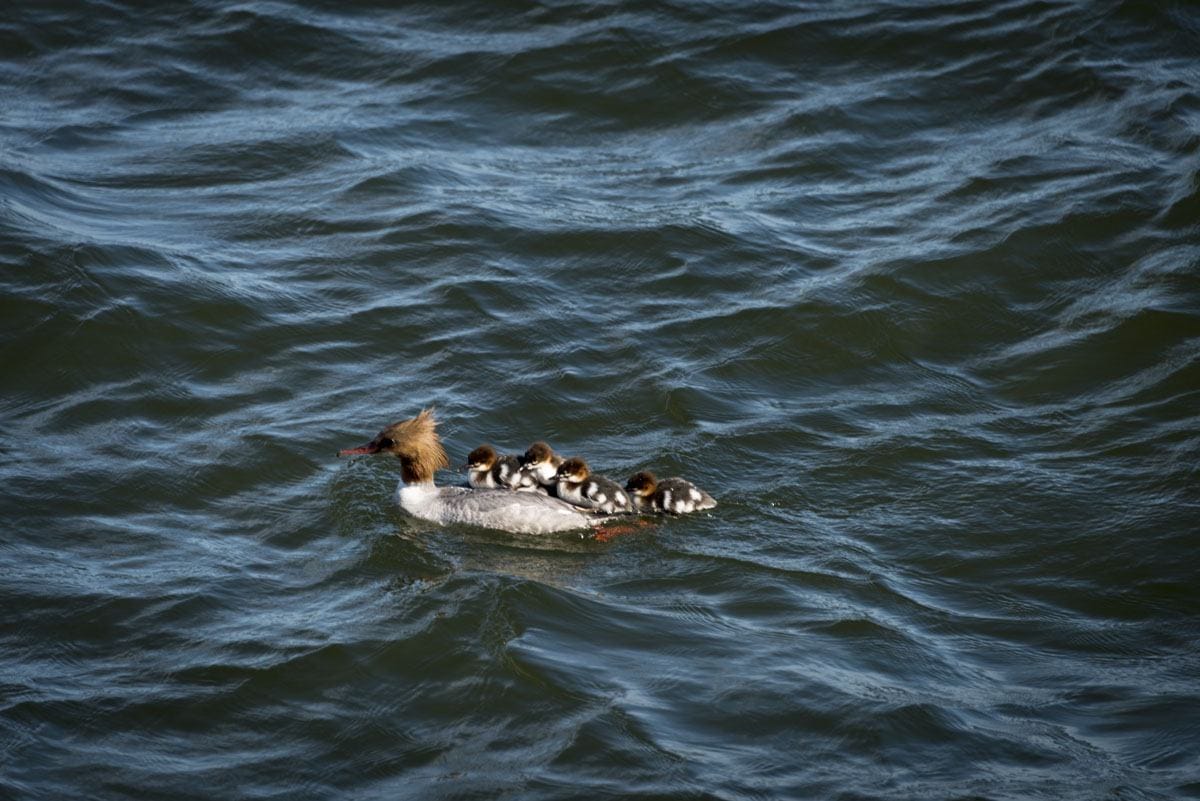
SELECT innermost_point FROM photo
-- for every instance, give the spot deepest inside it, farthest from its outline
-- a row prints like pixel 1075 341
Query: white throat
pixel 416 498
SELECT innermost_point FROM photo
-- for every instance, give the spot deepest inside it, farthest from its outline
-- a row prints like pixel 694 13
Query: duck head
pixel 414 442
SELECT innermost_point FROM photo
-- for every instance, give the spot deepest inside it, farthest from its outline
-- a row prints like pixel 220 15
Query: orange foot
pixel 610 531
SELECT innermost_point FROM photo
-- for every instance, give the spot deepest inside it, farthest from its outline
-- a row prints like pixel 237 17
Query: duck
pixel 675 496
pixel 487 469
pixel 542 463
pixel 416 444
pixel 578 486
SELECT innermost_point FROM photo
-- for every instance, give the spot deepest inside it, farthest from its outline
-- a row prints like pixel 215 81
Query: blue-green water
pixel 913 289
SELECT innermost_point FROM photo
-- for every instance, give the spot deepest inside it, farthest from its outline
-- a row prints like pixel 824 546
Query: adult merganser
pixel 676 496
pixel 487 469
pixel 415 442
pixel 543 463
pixel 577 485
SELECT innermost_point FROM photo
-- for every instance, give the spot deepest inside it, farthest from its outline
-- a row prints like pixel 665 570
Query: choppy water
pixel 914 289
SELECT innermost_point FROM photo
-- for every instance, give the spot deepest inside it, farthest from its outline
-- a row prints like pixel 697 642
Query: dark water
pixel 914 289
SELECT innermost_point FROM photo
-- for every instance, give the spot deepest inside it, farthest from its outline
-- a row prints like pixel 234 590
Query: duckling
pixel 541 462
pixel 675 496
pixel 487 469
pixel 577 485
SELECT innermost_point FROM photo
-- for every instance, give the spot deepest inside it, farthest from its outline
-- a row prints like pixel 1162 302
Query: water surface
pixel 913 289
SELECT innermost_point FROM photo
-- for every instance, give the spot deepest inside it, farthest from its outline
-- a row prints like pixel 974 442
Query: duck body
pixel 503 509
pixel 517 476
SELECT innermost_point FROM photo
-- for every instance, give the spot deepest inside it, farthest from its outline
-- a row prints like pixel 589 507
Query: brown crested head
pixel 642 484
pixel 538 452
pixel 573 469
pixel 415 442
pixel 482 457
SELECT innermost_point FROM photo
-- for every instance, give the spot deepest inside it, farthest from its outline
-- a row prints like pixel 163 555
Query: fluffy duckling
pixel 675 496
pixel 576 485
pixel 487 469
pixel 541 462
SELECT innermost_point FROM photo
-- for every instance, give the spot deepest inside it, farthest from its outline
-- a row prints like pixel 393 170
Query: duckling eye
pixel 385 443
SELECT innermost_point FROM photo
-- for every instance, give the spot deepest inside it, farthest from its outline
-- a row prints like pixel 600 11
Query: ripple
pixel 910 290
